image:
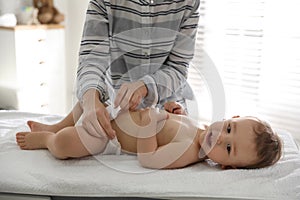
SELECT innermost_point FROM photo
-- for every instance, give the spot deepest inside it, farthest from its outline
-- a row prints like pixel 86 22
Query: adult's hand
pixel 130 95
pixel 95 118
pixel 174 107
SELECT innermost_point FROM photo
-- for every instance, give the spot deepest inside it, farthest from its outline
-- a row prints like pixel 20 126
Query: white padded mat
pixel 37 172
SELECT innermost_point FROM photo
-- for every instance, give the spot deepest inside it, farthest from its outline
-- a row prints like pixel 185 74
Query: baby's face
pixel 231 142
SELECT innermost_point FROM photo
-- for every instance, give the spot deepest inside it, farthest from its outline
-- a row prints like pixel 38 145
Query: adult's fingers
pixel 124 101
pixel 169 109
pixel 104 119
pixel 178 111
pixel 120 96
pixel 130 95
pixel 173 107
pixel 124 104
pixel 135 101
pixel 89 126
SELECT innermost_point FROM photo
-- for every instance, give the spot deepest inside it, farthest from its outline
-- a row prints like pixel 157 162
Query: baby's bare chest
pixel 177 129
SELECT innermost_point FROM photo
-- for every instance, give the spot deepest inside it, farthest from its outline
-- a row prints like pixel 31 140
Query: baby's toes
pixel 21 135
pixel 20 138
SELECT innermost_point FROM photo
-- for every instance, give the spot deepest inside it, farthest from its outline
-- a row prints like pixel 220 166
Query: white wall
pixel 74 11
pixel 13 6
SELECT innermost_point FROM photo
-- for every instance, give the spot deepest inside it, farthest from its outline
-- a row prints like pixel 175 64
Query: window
pixel 255 45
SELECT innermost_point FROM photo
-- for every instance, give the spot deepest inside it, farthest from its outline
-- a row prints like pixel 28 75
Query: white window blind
pixel 255 45
pixel 200 107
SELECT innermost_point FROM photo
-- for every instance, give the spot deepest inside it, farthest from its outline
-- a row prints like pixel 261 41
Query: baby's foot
pixel 37 126
pixel 32 140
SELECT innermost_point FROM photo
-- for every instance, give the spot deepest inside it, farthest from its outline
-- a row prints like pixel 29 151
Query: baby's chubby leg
pixel 69 120
pixel 70 142
pixel 37 126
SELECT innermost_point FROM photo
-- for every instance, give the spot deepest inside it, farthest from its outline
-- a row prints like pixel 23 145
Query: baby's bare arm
pixel 170 156
pixel 176 154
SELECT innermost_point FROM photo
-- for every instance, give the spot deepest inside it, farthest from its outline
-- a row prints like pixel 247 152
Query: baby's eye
pixel 228 128
pixel 228 147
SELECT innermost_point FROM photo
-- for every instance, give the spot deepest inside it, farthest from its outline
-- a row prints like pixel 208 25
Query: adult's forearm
pixel 89 98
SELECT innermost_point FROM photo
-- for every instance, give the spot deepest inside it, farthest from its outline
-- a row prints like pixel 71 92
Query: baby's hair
pixel 268 145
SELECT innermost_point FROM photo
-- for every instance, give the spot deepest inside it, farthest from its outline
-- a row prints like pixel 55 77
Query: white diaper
pixel 113 147
pixel 113 112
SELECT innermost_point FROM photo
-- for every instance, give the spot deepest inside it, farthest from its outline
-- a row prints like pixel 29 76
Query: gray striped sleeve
pixel 170 80
pixel 94 50
pixel 154 39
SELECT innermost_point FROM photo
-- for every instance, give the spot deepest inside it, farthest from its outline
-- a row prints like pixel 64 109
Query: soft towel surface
pixel 37 172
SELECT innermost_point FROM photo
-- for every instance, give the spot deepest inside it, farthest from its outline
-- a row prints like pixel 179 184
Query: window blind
pixel 200 106
pixel 255 45
pixel 280 88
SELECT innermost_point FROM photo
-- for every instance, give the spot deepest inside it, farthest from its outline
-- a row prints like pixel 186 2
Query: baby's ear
pixel 236 116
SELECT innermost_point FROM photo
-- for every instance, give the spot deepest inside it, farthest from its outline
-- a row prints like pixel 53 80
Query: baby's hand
pixel 174 107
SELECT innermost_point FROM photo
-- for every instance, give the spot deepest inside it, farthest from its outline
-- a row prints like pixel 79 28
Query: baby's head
pixel 243 142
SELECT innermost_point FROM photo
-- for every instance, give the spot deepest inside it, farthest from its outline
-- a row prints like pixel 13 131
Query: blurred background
pixel 253 44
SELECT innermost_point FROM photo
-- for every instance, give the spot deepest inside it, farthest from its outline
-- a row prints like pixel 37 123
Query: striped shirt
pixel 129 40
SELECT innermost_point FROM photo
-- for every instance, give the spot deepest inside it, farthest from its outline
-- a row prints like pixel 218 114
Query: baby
pixel 162 140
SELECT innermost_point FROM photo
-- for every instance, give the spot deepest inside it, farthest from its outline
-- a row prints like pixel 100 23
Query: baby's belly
pixel 128 141
pixel 175 128
pixel 127 135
